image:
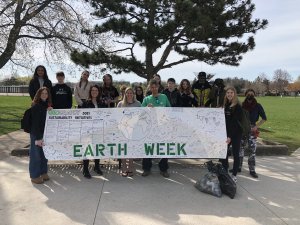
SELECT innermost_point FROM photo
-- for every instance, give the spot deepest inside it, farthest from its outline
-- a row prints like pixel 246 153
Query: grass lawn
pixel 283 118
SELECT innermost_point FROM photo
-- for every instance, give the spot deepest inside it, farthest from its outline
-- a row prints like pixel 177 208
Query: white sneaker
pixel 234 178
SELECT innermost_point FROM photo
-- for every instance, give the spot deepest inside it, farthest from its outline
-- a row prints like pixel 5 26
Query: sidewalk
pixel 68 198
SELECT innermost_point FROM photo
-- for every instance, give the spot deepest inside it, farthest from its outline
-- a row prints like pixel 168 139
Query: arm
pixel 77 97
pixel 31 89
pixel 70 98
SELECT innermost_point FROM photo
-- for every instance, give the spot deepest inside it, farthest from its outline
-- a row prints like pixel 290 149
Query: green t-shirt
pixel 159 101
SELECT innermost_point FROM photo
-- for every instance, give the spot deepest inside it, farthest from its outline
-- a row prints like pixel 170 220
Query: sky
pixel 277 47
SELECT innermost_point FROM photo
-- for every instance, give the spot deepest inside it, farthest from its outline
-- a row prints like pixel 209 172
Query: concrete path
pixel 68 198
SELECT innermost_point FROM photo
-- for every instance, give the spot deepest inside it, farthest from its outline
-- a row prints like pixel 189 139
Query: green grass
pixel 11 111
pixel 282 126
pixel 283 120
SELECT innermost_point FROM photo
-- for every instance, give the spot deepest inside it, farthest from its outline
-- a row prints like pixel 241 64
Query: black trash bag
pixel 227 184
pixel 209 184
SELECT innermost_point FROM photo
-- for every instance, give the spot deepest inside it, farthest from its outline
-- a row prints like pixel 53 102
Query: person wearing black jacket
pixel 94 101
pixel 188 98
pixel 39 79
pixel 38 167
pixel 61 93
pixel 233 117
pixel 216 94
pixel 256 111
pixel 172 93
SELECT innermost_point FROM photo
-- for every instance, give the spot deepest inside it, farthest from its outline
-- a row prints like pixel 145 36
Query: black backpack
pixel 26 121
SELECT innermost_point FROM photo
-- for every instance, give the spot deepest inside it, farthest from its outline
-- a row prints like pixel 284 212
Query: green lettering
pixel 89 151
pixel 170 149
pixel 149 149
pixel 124 149
pixel 180 148
pixel 160 149
pixel 111 148
pixel 99 149
pixel 76 149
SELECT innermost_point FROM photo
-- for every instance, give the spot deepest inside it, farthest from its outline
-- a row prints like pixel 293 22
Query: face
pixel 85 75
pixel 171 85
pixel 94 92
pixel 155 77
pixel 107 80
pixel 250 95
pixel 129 95
pixel 44 95
pixel 139 91
pixel 184 85
pixel 40 71
pixel 229 94
pixel 154 89
pixel 60 79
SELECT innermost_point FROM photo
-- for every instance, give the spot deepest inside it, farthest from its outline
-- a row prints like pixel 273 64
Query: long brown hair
pixel 98 99
pixel 37 97
pixel 235 99
pixel 188 89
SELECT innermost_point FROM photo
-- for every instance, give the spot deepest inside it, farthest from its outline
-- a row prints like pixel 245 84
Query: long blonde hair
pixel 124 101
pixel 235 99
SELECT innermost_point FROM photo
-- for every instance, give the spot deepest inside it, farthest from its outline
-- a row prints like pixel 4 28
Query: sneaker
pixel 87 174
pixel 239 170
pixel 253 174
pixel 146 173
pixel 45 177
pixel 234 178
pixel 38 180
pixel 165 174
pixel 98 170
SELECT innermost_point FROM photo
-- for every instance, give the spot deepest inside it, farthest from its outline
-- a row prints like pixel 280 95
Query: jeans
pixel 37 161
pixel 163 164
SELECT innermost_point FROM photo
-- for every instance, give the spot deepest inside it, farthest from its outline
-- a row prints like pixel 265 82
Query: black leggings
pixel 236 144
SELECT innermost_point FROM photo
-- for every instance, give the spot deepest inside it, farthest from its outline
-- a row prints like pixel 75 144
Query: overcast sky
pixel 277 47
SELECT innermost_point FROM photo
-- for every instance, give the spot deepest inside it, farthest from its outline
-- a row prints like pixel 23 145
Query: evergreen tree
pixel 211 31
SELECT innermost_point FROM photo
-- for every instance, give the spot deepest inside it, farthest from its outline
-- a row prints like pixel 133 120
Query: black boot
pixel 97 167
pixel 86 172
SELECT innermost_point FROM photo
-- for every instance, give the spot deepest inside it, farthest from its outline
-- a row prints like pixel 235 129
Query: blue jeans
pixel 37 161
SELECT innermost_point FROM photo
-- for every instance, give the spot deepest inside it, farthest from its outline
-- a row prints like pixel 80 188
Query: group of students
pixel 89 95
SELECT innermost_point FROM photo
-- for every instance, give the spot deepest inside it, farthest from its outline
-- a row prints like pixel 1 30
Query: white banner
pixel 73 134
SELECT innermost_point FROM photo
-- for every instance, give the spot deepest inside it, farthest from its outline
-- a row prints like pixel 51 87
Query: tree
pixel 281 80
pixel 208 31
pixel 258 85
pixel 51 26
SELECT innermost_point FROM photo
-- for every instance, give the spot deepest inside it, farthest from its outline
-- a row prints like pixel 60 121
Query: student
pixel 160 87
pixel 110 93
pixel 155 100
pixel 188 98
pixel 38 167
pixel 233 118
pixel 216 94
pixel 172 93
pixel 94 101
pixel 61 93
pixel 139 93
pixel 122 90
pixel 129 100
pixel 201 88
pixel 39 79
pixel 81 92
pixel 255 111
